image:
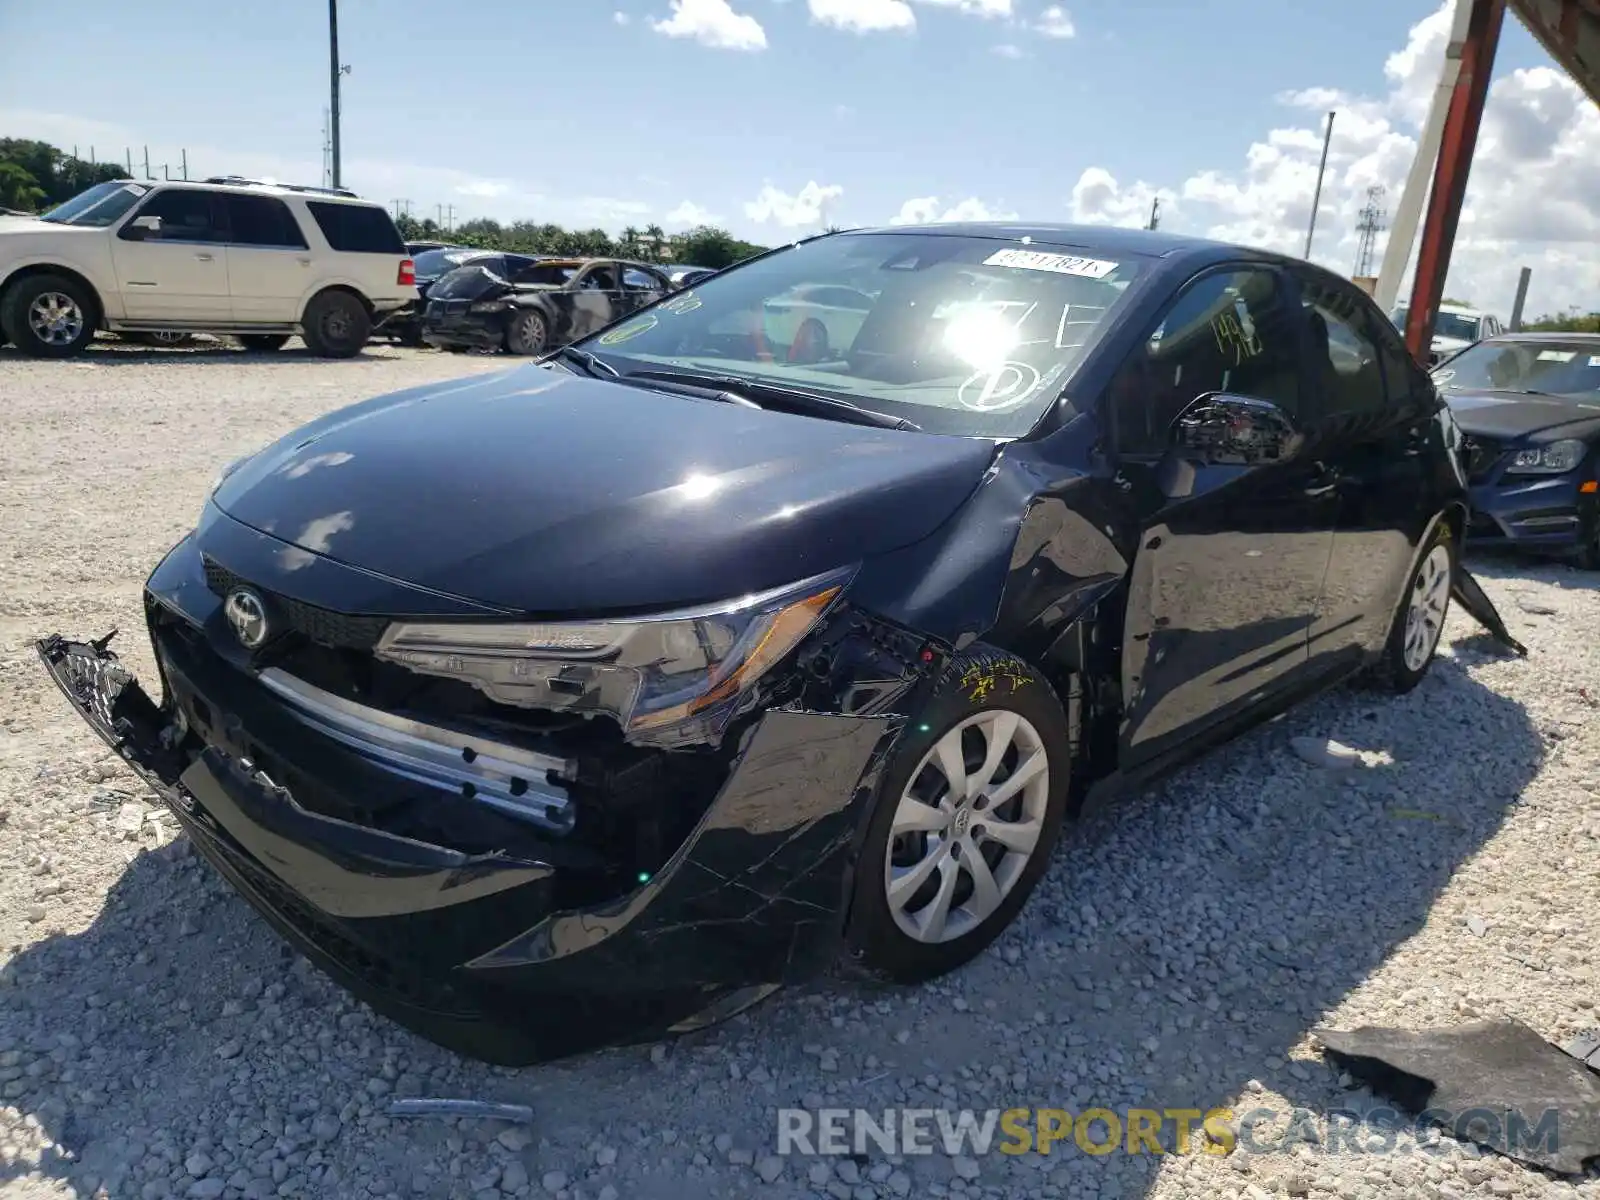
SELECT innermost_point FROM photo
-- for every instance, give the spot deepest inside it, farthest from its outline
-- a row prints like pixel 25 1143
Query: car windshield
pixel 432 263
pixel 98 206
pixel 1456 327
pixel 965 335
pixel 1567 369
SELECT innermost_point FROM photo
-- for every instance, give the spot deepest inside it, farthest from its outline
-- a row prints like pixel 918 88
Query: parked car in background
pixel 261 261
pixel 704 659
pixel 405 325
pixel 528 305
pixel 1529 407
pixel 682 275
pixel 1455 328
pixel 416 248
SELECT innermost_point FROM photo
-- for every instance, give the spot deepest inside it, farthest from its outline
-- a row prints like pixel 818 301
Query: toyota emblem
pixel 248 616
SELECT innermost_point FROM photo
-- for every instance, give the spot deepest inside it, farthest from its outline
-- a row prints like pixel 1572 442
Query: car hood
pixel 1515 414
pixel 546 492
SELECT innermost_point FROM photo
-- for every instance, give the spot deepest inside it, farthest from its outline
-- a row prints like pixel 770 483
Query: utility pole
pixel 185 154
pixel 1155 213
pixel 335 70
pixel 450 223
pixel 402 208
pixel 1316 197
pixel 147 174
pixel 1522 298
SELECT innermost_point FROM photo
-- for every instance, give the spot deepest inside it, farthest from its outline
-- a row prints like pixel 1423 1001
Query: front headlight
pixel 674 677
pixel 1557 458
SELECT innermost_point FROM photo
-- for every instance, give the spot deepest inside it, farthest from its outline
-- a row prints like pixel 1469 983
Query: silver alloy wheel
pixel 169 337
pixel 1425 608
pixel 55 318
pixel 967 825
pixel 533 332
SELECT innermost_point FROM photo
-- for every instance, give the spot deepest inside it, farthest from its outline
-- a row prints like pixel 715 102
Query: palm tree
pixel 658 237
pixel 630 240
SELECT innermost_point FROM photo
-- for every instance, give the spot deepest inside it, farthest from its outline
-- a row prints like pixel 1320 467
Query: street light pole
pixel 1316 198
pixel 334 71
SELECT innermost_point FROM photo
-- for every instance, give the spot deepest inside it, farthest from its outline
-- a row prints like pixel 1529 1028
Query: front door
pixel 269 264
pixel 1370 424
pixel 639 288
pixel 178 272
pixel 596 299
pixel 1230 559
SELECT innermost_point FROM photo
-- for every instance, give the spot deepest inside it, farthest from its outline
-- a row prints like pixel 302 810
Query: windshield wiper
pixel 593 364
pixel 814 403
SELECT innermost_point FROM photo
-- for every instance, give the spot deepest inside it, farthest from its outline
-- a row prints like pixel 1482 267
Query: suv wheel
pixel 337 325
pixel 49 316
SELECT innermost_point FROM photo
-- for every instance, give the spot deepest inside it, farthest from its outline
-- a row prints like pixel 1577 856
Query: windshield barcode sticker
pixel 1061 264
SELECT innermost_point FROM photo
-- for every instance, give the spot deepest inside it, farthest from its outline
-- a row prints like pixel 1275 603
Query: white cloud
pixel 621 18
pixel 808 206
pixel 1007 50
pixel 689 214
pixel 1054 22
pixel 926 210
pixel 976 8
pixel 863 16
pixel 712 23
pixel 1529 197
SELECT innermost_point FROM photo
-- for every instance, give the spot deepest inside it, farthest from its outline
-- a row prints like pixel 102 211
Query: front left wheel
pixel 49 316
pixel 1418 623
pixel 969 810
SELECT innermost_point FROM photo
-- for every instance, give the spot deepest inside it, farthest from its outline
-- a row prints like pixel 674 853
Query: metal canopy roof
pixel 1569 30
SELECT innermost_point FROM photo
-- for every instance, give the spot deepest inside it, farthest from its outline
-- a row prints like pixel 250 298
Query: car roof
pixel 256 187
pixel 1102 239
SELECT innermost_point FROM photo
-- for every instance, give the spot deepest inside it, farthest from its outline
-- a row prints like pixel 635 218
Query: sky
pixel 774 118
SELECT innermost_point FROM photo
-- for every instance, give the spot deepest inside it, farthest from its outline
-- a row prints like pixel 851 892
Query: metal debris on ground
pixel 442 1107
pixel 1497 1082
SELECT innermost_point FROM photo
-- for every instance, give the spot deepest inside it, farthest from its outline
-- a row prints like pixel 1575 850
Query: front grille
pixel 340 631
pixel 1480 454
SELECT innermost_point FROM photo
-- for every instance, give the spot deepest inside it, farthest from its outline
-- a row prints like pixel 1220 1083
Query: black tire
pixel 18 315
pixel 528 332
pixel 336 325
pixel 981 681
pixel 165 338
pixel 1394 671
pixel 263 343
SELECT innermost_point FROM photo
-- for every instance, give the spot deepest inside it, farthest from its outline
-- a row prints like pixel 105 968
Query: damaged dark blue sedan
pixel 783 625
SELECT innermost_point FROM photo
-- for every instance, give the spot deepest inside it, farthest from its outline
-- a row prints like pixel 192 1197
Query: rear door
pixel 1369 420
pixel 179 272
pixel 1231 558
pixel 269 261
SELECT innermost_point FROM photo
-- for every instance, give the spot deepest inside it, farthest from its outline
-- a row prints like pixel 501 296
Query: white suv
pixel 260 261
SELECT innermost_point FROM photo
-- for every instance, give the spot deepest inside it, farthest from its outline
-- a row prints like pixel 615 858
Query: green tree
pixel 1565 322
pixel 656 238
pixel 19 189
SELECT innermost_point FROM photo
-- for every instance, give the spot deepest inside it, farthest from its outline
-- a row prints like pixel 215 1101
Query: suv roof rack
pixel 241 181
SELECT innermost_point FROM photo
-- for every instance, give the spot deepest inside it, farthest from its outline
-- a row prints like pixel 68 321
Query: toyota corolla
pixel 596 699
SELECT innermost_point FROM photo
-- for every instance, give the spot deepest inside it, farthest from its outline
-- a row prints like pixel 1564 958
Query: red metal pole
pixel 1461 123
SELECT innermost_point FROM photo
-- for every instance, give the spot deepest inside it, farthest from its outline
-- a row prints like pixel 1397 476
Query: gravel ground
pixel 157 1040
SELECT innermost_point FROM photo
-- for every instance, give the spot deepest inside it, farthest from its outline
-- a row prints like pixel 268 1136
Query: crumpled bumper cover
pixel 752 900
pixel 1470 595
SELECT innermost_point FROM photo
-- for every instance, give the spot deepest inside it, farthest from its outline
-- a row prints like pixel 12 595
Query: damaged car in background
pixel 596 699
pixel 527 305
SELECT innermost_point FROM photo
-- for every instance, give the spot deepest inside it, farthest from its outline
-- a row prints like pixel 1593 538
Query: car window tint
pixel 1405 384
pixel 603 278
pixel 262 221
pixel 186 215
pixel 640 281
pixel 1342 359
pixel 357 228
pixel 1230 331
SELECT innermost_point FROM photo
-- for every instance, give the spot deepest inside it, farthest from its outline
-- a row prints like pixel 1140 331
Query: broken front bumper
pixel 469 950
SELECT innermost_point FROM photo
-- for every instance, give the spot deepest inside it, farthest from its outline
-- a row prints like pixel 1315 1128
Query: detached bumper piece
pixel 1470 595
pixel 471 950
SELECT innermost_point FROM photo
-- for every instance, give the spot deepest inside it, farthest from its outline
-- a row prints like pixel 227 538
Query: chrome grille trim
pixel 430 754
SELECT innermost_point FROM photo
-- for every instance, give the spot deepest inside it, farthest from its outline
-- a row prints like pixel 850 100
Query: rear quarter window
pixel 357 228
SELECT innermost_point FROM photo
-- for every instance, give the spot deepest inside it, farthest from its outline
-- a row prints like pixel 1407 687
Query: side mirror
pixel 1222 429
pixel 143 227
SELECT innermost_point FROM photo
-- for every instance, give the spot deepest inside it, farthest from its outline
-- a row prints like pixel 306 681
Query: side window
pixel 602 278
pixel 1406 386
pixel 1342 353
pixel 1229 331
pixel 262 221
pixel 636 280
pixel 357 228
pixel 186 215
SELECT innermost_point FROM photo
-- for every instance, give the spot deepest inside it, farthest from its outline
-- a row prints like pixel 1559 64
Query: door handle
pixel 203 257
pixel 305 262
